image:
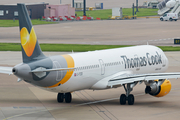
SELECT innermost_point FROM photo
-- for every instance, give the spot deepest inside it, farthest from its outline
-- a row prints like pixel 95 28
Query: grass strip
pixel 11 23
pixel 74 47
pixel 105 13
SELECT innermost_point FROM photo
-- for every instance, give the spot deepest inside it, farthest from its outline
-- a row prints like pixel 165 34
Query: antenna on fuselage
pixel 147 43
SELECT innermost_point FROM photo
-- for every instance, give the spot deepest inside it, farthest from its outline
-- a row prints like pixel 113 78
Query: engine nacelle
pixel 158 89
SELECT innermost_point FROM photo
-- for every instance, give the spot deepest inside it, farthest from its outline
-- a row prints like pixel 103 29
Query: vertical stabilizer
pixel 30 47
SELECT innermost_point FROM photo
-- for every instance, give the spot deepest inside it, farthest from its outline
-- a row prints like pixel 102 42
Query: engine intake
pixel 159 90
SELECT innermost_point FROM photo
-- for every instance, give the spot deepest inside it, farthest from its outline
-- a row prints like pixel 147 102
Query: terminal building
pixel 10 11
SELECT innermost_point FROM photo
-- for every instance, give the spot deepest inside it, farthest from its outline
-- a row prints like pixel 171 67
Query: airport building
pixel 59 10
pixel 10 11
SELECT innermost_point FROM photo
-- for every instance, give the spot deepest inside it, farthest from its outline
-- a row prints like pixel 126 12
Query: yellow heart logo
pixel 28 41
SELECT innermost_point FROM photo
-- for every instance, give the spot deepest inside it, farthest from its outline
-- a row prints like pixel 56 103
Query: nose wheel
pixel 128 97
pixel 66 96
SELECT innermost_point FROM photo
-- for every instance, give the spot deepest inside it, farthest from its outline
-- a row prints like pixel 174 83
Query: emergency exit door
pixel 102 66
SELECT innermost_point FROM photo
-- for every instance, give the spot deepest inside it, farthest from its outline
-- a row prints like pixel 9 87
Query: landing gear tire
pixel 131 99
pixel 148 89
pixel 60 97
pixel 127 97
pixel 123 99
pixel 68 97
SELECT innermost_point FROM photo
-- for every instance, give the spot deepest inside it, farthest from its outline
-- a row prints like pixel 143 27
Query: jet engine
pixel 158 88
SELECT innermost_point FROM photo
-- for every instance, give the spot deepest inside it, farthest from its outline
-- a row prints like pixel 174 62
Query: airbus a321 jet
pixel 96 70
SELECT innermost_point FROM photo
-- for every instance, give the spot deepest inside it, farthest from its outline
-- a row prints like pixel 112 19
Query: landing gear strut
pixel 66 96
pixel 128 97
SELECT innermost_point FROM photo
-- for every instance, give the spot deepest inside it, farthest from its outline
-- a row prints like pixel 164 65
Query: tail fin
pixel 29 44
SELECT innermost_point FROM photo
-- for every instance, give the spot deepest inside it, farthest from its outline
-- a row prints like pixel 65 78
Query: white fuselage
pixel 93 66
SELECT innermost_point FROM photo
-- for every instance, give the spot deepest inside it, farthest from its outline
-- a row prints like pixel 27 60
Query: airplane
pixel 94 70
pixel 171 3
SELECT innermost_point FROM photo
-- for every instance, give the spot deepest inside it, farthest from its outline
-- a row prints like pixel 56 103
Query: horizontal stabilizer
pixel 41 69
pixel 6 70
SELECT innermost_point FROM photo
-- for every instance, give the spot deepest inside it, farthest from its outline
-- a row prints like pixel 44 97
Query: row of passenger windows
pixel 97 66
pixel 86 67
pixel 113 63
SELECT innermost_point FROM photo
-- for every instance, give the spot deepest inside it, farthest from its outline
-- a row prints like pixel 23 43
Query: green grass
pixel 170 48
pixel 142 12
pixel 11 23
pixel 74 47
pixel 59 47
pixel 104 14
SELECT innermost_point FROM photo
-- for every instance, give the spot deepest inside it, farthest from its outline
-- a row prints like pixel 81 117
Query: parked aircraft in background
pixel 171 3
pixel 96 70
pixel 169 6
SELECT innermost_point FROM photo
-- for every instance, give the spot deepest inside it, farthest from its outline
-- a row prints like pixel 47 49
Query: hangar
pixel 10 11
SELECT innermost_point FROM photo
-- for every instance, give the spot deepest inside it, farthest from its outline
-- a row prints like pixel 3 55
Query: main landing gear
pixel 128 97
pixel 66 96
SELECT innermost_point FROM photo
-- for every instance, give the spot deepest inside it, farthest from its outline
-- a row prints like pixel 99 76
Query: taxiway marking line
pixel 99 101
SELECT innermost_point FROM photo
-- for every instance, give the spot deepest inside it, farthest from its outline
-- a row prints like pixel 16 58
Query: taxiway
pixel 20 101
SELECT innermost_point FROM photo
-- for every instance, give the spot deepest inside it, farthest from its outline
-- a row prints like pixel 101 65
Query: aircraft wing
pixel 120 80
pixel 6 70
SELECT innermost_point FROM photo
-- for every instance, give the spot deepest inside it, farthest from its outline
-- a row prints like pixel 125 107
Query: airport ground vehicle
pixel 169 16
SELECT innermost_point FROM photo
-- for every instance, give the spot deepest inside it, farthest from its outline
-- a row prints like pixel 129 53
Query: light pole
pixel 133 10
pixel 84 8
pixel 137 6
pixel 73 3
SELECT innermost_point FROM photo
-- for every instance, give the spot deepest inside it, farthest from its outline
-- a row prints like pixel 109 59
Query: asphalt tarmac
pixel 22 101
pixel 109 32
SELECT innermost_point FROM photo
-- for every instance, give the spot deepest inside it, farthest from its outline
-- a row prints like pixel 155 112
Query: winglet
pixel 29 43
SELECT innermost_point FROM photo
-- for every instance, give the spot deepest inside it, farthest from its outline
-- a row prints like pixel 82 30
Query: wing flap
pixel 141 77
